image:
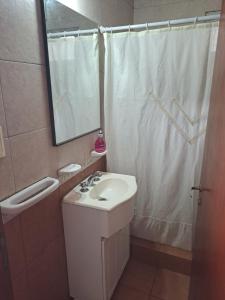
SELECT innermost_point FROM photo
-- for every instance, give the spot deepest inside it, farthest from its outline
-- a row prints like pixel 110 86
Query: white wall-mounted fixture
pixel 68 171
pixel 26 198
pixel 2 145
pixel 98 154
pixel 96 217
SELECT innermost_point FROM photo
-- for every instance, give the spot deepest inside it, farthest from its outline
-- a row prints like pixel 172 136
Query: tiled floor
pixel 143 282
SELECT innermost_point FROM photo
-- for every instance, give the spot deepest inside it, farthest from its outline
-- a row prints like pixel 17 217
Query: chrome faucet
pixel 94 177
pixel 90 181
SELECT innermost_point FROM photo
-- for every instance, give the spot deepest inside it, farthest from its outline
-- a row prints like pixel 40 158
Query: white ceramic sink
pixel 110 200
pixel 112 190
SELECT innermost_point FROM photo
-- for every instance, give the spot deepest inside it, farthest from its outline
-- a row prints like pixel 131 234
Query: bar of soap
pixel 72 168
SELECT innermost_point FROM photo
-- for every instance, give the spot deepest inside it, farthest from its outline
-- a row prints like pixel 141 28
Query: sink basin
pixel 110 191
pixel 110 201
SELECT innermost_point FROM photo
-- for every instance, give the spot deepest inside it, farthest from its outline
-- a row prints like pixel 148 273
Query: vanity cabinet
pixel 95 263
pixel 96 228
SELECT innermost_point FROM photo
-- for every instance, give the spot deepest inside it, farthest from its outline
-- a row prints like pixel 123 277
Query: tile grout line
pixel 28 132
pixel 22 62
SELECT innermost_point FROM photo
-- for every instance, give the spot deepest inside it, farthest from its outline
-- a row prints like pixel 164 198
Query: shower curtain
pixel 157 90
pixel 74 68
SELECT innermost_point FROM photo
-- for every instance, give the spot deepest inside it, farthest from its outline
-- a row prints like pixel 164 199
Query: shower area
pixel 155 83
pixel 156 99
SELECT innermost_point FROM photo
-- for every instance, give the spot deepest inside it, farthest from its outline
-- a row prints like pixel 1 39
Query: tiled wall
pixel 106 12
pixel 155 10
pixel 36 249
pixel 24 112
pixel 35 239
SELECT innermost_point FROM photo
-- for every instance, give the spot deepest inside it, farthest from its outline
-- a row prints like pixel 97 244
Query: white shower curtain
pixel 74 68
pixel 157 90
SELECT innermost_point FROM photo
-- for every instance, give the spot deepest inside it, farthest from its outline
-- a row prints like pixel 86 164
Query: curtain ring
pixel 129 28
pixel 169 25
pixel 64 34
pixel 147 28
pixel 196 20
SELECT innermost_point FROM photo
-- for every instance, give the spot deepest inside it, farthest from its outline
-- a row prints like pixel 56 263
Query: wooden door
pixel 5 284
pixel 208 278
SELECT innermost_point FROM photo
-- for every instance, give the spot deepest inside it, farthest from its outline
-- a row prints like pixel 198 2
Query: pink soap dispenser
pixel 100 143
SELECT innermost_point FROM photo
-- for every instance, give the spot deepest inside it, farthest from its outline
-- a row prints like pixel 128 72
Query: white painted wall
pixel 154 10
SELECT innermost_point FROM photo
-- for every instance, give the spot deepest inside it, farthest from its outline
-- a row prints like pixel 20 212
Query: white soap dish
pixel 68 171
pixel 98 154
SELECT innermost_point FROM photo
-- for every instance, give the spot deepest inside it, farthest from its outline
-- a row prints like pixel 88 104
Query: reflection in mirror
pixel 73 59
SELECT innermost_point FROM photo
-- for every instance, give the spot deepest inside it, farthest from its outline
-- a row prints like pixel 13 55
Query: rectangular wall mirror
pixel 72 61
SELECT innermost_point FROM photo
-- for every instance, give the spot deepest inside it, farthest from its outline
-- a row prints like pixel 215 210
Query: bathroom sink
pixel 107 193
pixel 110 200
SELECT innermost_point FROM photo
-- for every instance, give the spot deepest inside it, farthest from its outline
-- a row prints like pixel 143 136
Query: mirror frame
pixel 49 86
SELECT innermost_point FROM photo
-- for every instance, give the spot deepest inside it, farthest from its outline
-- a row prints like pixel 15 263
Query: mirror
pixel 72 60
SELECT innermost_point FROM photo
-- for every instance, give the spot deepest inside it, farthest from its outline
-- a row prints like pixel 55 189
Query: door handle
pixel 200 189
pixel 197 188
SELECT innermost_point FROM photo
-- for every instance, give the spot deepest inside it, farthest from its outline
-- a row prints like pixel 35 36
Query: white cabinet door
pixel 115 254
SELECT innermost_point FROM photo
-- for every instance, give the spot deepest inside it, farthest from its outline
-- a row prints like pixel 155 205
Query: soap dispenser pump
pixel 100 143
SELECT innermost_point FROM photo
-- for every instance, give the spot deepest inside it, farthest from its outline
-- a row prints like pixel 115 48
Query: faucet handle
pixel 83 184
pixel 98 173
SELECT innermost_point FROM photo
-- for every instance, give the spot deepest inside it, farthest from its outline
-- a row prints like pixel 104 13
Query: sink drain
pixel 102 199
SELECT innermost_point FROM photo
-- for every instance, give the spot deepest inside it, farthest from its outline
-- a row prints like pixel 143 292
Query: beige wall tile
pixel 116 12
pixel 20 33
pixel 7 186
pixel 25 98
pixel 107 12
pixel 77 151
pixel 33 157
pixel 155 10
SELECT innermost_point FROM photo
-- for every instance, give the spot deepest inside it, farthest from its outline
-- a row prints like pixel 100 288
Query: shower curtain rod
pixel 103 29
pixel 72 33
pixel 201 19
